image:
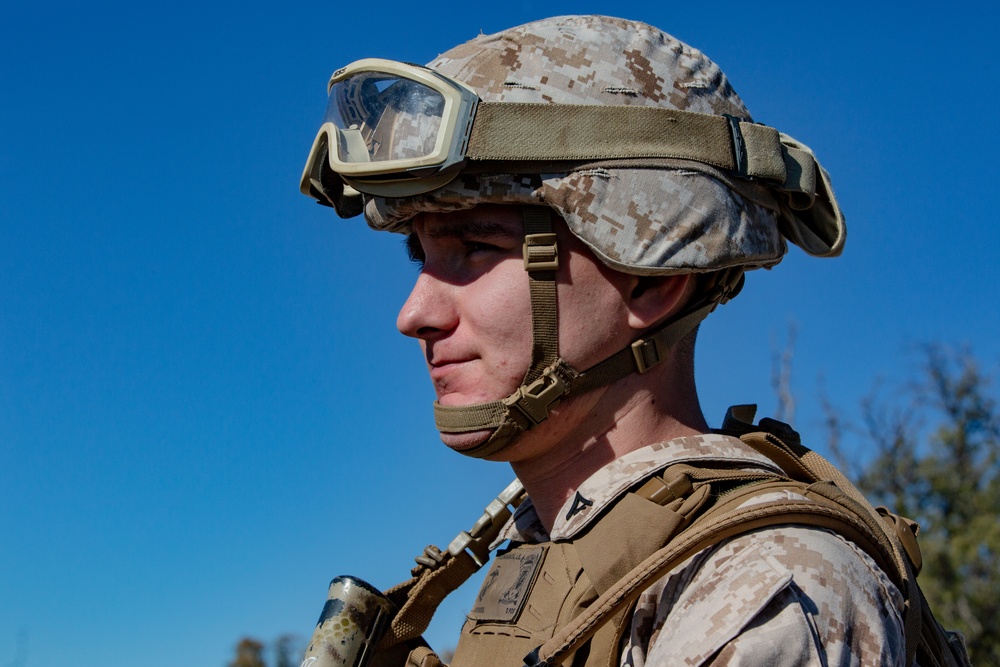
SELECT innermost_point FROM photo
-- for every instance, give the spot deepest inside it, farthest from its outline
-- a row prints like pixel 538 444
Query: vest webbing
pixel 834 504
pixel 837 505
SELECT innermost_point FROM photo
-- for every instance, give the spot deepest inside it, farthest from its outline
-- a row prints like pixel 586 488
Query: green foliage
pixel 935 457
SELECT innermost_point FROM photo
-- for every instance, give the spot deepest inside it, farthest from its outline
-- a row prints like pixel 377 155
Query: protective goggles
pixel 392 128
pixel 395 130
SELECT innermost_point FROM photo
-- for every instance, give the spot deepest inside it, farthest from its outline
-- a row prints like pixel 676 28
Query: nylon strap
pixel 789 448
pixel 466 418
pixel 641 355
pixel 522 132
pixel 521 138
pixel 529 405
pixel 832 508
pixel 685 545
pixel 419 597
pixel 541 259
pixel 838 506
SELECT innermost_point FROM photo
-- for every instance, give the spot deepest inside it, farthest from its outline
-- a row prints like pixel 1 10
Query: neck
pixel 554 462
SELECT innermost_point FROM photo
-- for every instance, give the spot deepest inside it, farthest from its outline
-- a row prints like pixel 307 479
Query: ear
pixel 654 298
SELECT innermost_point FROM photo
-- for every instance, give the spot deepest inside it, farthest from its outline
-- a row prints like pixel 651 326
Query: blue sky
pixel 205 409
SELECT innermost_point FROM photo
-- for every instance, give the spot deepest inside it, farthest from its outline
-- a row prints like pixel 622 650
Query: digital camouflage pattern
pixel 785 596
pixel 667 216
pixel 790 595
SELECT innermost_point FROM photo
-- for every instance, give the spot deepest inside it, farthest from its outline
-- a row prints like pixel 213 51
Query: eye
pixel 472 247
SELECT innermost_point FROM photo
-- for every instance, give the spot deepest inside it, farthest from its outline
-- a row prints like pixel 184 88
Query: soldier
pixel 580 192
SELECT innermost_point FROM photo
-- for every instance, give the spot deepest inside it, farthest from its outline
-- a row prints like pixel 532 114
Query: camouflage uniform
pixel 784 596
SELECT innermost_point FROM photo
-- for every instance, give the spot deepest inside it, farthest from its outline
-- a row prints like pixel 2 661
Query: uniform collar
pixel 611 481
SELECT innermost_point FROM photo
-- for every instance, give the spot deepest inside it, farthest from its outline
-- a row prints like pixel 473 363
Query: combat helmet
pixel 634 138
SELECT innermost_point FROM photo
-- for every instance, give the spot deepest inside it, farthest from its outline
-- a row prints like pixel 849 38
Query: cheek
pixel 502 316
pixel 593 316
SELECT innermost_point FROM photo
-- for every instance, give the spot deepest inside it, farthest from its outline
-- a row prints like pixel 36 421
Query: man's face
pixel 471 309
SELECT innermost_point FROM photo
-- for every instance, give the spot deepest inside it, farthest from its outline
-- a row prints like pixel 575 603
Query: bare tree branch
pixel 781 376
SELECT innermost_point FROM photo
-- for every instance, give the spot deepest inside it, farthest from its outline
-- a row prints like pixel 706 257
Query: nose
pixel 429 311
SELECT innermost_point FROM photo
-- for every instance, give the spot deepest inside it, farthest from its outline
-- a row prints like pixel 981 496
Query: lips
pixel 455 379
pixel 441 369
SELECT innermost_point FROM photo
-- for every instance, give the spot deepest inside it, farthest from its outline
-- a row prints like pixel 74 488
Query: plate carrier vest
pixel 582 595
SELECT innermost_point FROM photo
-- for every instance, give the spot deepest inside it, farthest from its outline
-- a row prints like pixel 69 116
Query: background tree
pixel 288 650
pixel 932 453
pixel 249 653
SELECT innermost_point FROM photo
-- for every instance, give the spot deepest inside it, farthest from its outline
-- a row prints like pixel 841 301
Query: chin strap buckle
pixel 646 352
pixel 540 252
pixel 534 400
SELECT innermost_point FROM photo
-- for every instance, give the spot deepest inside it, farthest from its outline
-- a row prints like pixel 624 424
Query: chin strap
pixel 549 378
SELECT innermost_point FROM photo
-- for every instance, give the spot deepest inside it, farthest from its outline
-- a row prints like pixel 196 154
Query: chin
pixel 461 442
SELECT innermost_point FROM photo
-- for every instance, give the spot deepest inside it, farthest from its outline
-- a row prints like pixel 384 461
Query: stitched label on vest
pixel 507 584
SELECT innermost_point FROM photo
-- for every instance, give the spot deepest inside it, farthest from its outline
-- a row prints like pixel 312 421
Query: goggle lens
pixel 381 117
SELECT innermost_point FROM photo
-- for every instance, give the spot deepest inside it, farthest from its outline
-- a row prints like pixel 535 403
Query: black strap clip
pixel 739 145
pixel 532 659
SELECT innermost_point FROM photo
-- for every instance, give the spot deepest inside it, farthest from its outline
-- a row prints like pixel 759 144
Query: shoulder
pixel 789 595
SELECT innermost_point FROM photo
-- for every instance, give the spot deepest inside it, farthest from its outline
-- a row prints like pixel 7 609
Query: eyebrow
pixel 472 228
pixel 461 229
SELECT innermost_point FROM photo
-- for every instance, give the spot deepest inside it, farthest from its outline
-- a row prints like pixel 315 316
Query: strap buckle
pixel 540 252
pixel 646 353
pixel 534 400
pixel 476 541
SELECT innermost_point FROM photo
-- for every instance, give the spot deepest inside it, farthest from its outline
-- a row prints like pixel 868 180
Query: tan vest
pixel 548 594
pixel 532 590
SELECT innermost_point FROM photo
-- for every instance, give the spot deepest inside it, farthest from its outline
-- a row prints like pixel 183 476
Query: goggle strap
pixel 523 132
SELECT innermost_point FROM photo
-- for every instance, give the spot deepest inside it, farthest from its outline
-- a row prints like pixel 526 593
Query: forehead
pixel 504 223
pixel 480 221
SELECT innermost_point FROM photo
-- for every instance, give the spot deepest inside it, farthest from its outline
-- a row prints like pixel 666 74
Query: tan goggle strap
pixel 556 138
pixel 559 138
pixel 513 132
